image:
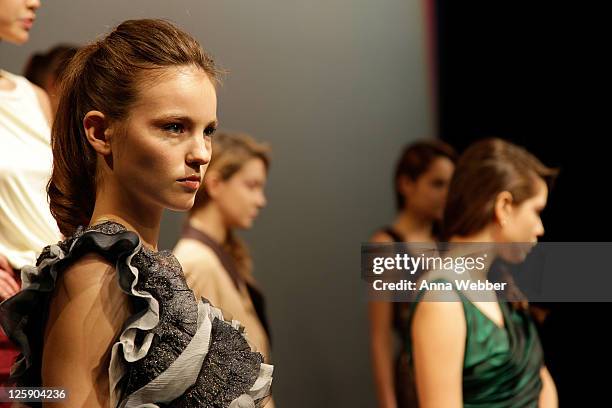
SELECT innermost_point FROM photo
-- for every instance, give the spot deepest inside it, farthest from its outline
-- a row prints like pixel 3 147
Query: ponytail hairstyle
pixel 484 170
pixel 106 76
pixel 230 152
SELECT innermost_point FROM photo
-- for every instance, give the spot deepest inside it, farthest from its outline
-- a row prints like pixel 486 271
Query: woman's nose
pixel 200 153
pixel 33 4
pixel 540 229
pixel 262 200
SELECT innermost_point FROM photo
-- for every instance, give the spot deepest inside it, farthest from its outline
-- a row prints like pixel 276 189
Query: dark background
pixel 533 73
pixel 337 88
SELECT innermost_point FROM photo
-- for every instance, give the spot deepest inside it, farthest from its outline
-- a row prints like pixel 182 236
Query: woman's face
pixel 164 144
pixel 524 223
pixel 523 226
pixel 240 197
pixel 427 195
pixel 16 19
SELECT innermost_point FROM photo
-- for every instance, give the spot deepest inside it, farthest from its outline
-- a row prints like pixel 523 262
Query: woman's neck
pixel 483 236
pixel 5 83
pixel 208 219
pixel 414 227
pixel 144 219
pixel 480 243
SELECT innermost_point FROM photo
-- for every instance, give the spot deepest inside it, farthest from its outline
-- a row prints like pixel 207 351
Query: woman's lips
pixel 190 183
pixel 27 23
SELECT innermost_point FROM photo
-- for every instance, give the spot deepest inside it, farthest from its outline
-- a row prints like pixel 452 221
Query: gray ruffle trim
pixel 173 352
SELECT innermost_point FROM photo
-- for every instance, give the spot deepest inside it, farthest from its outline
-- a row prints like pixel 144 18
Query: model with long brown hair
pixel 104 314
pixel 477 352
pixel 422 175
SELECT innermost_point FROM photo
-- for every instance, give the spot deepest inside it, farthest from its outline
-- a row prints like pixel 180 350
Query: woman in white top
pixel 26 224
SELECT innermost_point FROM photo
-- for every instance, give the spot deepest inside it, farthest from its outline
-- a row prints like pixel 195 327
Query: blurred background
pixel 338 88
pixel 533 73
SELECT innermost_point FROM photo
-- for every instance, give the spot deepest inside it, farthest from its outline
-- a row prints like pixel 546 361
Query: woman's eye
pixel 210 130
pixel 174 128
pixel 437 183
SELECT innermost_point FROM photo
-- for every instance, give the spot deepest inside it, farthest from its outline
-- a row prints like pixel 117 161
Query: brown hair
pixel 106 76
pixel 51 63
pixel 416 160
pixel 484 170
pixel 230 152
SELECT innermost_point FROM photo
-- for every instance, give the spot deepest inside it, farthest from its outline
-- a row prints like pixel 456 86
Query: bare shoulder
pixel 88 270
pixel 440 311
pixel 86 316
pixel 91 271
pixel 87 299
pixel 380 237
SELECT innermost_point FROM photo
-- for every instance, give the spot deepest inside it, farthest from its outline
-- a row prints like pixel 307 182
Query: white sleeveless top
pixel 26 224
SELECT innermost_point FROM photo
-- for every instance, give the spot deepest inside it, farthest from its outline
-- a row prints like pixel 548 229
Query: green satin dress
pixel 501 366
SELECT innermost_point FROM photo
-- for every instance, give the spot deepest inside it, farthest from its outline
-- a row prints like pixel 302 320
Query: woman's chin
pixel 516 252
pixel 17 38
pixel 245 224
pixel 181 205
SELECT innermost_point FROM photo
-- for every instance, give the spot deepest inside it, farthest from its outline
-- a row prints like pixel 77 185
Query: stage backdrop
pixel 337 88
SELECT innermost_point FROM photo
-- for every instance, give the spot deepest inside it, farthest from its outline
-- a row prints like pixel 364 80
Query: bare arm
pixel 548 395
pixel 438 347
pixel 381 345
pixel 381 349
pixel 86 315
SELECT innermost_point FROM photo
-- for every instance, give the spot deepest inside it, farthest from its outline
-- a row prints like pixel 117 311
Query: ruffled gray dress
pixel 174 351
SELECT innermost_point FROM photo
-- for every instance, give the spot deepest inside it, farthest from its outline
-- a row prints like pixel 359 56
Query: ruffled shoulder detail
pixel 229 368
pixel 225 372
pixel 174 351
pixel 23 316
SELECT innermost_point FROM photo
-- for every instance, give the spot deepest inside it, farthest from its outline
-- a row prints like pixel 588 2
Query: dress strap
pixel 392 232
pixel 257 297
pixel 226 259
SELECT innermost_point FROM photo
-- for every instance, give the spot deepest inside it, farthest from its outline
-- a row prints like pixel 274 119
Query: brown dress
pixel 211 272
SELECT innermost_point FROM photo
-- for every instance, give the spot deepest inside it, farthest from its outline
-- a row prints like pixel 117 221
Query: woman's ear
pixel 406 185
pixel 503 207
pixel 97 131
pixel 212 182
